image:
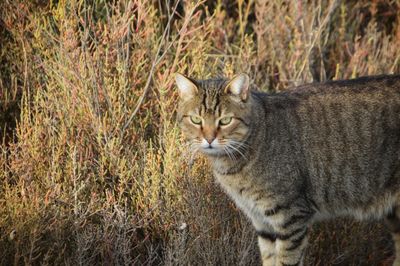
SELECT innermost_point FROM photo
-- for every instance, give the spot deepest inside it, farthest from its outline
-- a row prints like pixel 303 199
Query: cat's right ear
pixel 239 86
pixel 187 88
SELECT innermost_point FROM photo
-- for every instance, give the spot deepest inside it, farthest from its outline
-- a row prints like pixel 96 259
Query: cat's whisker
pixel 227 152
pixel 191 149
pixel 239 152
pixel 194 150
pixel 193 155
pixel 237 149
pixel 241 145
pixel 239 142
pixel 230 154
pixel 235 155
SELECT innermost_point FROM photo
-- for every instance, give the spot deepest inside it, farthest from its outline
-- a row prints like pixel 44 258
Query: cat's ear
pixel 239 86
pixel 187 88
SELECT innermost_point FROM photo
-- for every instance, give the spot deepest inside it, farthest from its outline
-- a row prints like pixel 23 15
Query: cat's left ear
pixel 239 86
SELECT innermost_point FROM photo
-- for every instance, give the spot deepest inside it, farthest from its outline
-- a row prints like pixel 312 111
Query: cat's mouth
pixel 212 148
pixel 232 148
pixel 211 151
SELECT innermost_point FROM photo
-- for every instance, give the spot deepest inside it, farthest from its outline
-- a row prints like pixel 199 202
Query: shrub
pixel 93 167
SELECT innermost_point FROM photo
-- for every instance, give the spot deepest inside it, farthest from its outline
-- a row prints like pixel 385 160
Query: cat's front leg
pixel 290 247
pixel 266 243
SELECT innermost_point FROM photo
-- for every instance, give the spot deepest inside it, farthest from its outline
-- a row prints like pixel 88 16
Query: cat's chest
pixel 234 186
pixel 243 192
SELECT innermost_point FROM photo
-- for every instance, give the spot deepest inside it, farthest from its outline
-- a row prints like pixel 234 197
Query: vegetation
pixel 93 169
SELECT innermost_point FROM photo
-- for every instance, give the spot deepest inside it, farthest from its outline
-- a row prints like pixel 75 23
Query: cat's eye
pixel 225 121
pixel 195 119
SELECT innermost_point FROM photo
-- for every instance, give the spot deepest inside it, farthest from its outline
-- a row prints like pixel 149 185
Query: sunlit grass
pixel 95 170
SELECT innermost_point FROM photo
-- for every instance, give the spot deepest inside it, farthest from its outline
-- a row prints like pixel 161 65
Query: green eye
pixel 225 121
pixel 195 120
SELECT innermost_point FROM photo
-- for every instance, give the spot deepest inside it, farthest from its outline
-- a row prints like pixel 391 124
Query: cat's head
pixel 214 114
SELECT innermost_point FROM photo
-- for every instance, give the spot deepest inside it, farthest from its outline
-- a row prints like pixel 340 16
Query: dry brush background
pixel 93 169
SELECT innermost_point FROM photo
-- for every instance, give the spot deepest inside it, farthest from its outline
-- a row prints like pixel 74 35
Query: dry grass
pixel 92 165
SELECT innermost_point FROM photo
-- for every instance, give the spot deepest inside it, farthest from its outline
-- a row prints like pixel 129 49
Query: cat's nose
pixel 209 134
pixel 209 139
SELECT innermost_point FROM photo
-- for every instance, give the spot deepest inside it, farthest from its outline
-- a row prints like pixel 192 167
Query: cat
pixel 288 159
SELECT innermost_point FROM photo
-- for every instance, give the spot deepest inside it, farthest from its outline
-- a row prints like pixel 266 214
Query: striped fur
pixel 316 151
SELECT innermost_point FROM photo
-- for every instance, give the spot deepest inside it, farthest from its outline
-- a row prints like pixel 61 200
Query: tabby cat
pixel 288 159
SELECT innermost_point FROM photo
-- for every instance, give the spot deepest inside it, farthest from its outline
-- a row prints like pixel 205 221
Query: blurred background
pixel 93 169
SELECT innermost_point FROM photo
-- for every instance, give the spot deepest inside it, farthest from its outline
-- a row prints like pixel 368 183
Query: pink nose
pixel 210 139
